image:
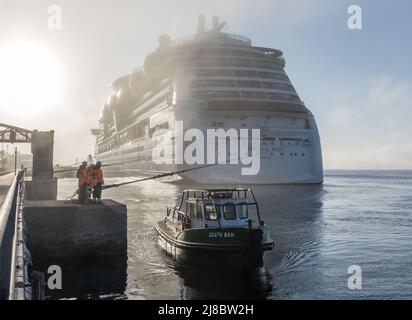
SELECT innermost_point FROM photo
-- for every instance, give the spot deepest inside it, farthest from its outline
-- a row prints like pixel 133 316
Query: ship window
pixel 253 95
pixel 272 75
pixel 242 211
pixel 250 84
pixel 210 212
pixel 274 85
pixel 229 212
pixel 245 74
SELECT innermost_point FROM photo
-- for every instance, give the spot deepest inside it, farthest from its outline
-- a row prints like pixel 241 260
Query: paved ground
pixel 5 182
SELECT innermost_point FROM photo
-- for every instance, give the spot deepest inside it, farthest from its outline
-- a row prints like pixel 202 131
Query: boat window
pixel 242 211
pixel 210 212
pixel 199 211
pixel 252 211
pixel 229 212
pixel 192 211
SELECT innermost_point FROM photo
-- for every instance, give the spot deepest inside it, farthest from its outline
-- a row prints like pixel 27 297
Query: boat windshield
pixel 229 212
pixel 210 212
pixel 233 211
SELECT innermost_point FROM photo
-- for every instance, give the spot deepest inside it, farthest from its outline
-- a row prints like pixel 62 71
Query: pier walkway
pixel 5 182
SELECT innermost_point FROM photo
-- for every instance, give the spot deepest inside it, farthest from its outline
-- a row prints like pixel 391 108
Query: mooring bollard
pixel 38 285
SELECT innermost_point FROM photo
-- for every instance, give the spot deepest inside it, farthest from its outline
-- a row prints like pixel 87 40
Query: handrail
pixel 7 230
pixel 17 257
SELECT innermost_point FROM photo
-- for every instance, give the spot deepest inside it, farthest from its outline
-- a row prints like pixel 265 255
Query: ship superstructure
pixel 211 80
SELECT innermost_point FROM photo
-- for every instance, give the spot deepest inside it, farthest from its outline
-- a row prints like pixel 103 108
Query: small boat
pixel 216 226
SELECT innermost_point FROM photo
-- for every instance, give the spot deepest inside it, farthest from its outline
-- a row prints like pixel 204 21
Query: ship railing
pixel 174 213
pixel 213 36
pixel 235 193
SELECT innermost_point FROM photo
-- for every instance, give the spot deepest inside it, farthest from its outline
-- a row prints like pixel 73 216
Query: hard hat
pixel 98 164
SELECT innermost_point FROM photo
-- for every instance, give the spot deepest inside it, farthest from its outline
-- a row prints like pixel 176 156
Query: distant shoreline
pixel 367 169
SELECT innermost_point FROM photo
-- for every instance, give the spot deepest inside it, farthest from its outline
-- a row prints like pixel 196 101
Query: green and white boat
pixel 216 226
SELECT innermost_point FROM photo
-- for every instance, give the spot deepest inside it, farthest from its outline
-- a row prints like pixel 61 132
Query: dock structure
pixel 87 242
pixel 62 229
pixel 38 232
pixel 43 185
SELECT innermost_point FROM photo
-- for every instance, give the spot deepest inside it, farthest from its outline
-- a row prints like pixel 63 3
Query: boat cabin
pixel 215 208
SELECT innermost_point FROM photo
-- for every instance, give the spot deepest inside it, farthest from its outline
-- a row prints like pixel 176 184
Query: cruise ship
pixel 210 80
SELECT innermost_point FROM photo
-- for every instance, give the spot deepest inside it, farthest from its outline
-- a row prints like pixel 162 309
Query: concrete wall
pixel 41 189
pixel 62 229
pixel 88 242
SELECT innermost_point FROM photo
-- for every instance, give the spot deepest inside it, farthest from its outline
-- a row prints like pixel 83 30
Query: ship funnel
pixel 217 27
pixel 201 23
pixel 165 41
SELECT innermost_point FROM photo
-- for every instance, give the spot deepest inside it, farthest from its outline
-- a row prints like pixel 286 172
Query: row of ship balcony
pixel 278 96
pixel 243 83
pixel 213 38
pixel 254 73
pixel 240 62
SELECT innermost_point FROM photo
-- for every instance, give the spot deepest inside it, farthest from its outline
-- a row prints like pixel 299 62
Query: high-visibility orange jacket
pixel 82 175
pixel 96 177
pixel 89 173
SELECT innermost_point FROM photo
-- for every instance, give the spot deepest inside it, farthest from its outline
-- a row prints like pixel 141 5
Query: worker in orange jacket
pixel 97 181
pixel 90 169
pixel 83 176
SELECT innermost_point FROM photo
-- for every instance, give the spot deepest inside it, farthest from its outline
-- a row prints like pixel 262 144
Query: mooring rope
pixel 169 174
pixel 162 175
pixel 104 165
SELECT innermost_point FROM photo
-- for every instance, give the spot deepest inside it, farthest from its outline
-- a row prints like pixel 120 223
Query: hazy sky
pixel 357 83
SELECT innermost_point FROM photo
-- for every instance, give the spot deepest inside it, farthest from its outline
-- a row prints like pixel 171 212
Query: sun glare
pixel 31 79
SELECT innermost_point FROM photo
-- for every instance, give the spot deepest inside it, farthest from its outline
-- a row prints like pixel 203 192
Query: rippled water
pixel 355 218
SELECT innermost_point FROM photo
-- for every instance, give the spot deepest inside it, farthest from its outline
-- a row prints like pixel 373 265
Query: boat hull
pixel 230 247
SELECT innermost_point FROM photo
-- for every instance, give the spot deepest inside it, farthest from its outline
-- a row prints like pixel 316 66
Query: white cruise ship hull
pixel 289 161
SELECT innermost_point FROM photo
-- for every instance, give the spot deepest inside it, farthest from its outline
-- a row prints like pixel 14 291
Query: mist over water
pixel 355 218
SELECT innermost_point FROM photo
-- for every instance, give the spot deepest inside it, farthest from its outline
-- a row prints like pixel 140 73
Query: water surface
pixel 355 218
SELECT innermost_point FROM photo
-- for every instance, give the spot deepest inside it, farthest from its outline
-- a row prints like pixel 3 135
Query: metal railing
pixel 9 213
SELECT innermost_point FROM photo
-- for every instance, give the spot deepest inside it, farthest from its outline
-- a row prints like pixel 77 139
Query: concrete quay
pixel 59 229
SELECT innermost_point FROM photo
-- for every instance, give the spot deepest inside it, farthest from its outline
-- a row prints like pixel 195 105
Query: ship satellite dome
pixel 165 41
pixel 112 101
pixel 121 83
pixel 136 78
pixel 123 97
pixel 106 109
